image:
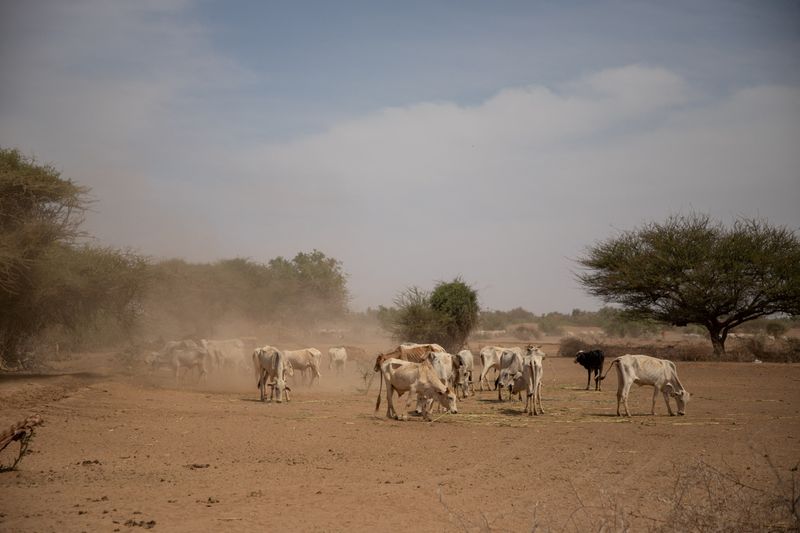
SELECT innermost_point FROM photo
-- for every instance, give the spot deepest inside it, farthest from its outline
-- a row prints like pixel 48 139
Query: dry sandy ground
pixel 120 452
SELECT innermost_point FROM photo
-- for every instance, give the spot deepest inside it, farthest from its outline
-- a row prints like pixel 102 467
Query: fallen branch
pixel 21 432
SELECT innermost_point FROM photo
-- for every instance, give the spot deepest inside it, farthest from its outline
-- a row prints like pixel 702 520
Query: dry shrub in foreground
pixel 706 498
pixel 703 499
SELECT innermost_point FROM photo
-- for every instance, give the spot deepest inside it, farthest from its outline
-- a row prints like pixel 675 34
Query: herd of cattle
pixel 425 371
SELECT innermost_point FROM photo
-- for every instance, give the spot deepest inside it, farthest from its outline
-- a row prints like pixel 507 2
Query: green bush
pixel 446 316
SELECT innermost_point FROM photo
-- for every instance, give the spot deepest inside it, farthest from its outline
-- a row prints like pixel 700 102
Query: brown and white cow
pixel 418 379
pixel 661 374
pixel 408 351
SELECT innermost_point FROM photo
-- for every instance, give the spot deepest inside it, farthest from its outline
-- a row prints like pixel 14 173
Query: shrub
pixel 525 332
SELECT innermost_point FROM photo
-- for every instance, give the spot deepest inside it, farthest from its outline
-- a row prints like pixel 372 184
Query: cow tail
pixel 380 388
pixel 614 362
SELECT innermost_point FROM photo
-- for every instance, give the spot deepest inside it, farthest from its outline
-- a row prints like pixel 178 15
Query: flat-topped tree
pixel 692 270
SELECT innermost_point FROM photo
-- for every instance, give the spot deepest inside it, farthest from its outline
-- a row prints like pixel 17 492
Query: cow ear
pixel 670 389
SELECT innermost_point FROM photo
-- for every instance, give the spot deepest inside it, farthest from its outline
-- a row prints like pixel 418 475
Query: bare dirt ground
pixel 122 451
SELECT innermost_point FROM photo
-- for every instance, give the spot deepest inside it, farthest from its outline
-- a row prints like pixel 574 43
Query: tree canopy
pixel 692 270
pixel 445 316
pixel 47 279
pixel 194 298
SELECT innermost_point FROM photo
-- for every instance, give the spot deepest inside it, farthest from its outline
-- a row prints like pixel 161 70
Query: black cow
pixel 592 361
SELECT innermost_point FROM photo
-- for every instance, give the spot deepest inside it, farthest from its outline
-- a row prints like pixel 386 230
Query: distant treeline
pixel 614 322
pixel 59 290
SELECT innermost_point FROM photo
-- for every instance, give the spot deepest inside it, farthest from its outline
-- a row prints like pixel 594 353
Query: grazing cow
pixel 307 361
pixel 271 367
pixel 490 359
pixel 645 370
pixel 510 360
pixel 418 379
pixel 408 351
pixel 338 357
pixel 177 357
pixel 227 355
pixel 463 361
pixel 444 365
pixel 529 379
pixel 592 361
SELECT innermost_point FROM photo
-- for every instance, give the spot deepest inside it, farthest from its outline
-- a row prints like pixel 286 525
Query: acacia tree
pixel 690 270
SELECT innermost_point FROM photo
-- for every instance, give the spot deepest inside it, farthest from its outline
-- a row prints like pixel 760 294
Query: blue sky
pixel 414 141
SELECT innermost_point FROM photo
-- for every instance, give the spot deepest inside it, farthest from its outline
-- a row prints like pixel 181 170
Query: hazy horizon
pixel 414 142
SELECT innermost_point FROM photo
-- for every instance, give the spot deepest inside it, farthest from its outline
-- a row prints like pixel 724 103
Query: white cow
pixel 464 362
pixel 227 355
pixel 180 356
pixel 337 357
pixel 444 366
pixel 511 360
pixel 307 361
pixel 418 379
pixel 490 359
pixel 528 379
pixel 271 367
pixel 646 370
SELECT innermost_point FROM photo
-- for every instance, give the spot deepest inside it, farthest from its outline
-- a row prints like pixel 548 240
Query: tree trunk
pixel 718 336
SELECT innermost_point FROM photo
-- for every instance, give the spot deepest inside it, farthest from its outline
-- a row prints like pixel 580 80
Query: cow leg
pixel 390 412
pixel 666 400
pixel 653 406
pixel 538 396
pixel 412 392
pixel 625 391
pixel 597 385
pixel 588 377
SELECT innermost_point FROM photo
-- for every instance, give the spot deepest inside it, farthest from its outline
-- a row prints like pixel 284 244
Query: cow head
pixel 579 357
pixel 378 362
pixel 151 359
pixel 681 397
pixel 507 378
pixel 279 387
pixel 460 371
pixel 447 399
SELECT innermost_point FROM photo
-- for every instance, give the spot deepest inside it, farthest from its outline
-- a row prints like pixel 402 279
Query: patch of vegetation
pixel 445 316
pixel 691 270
